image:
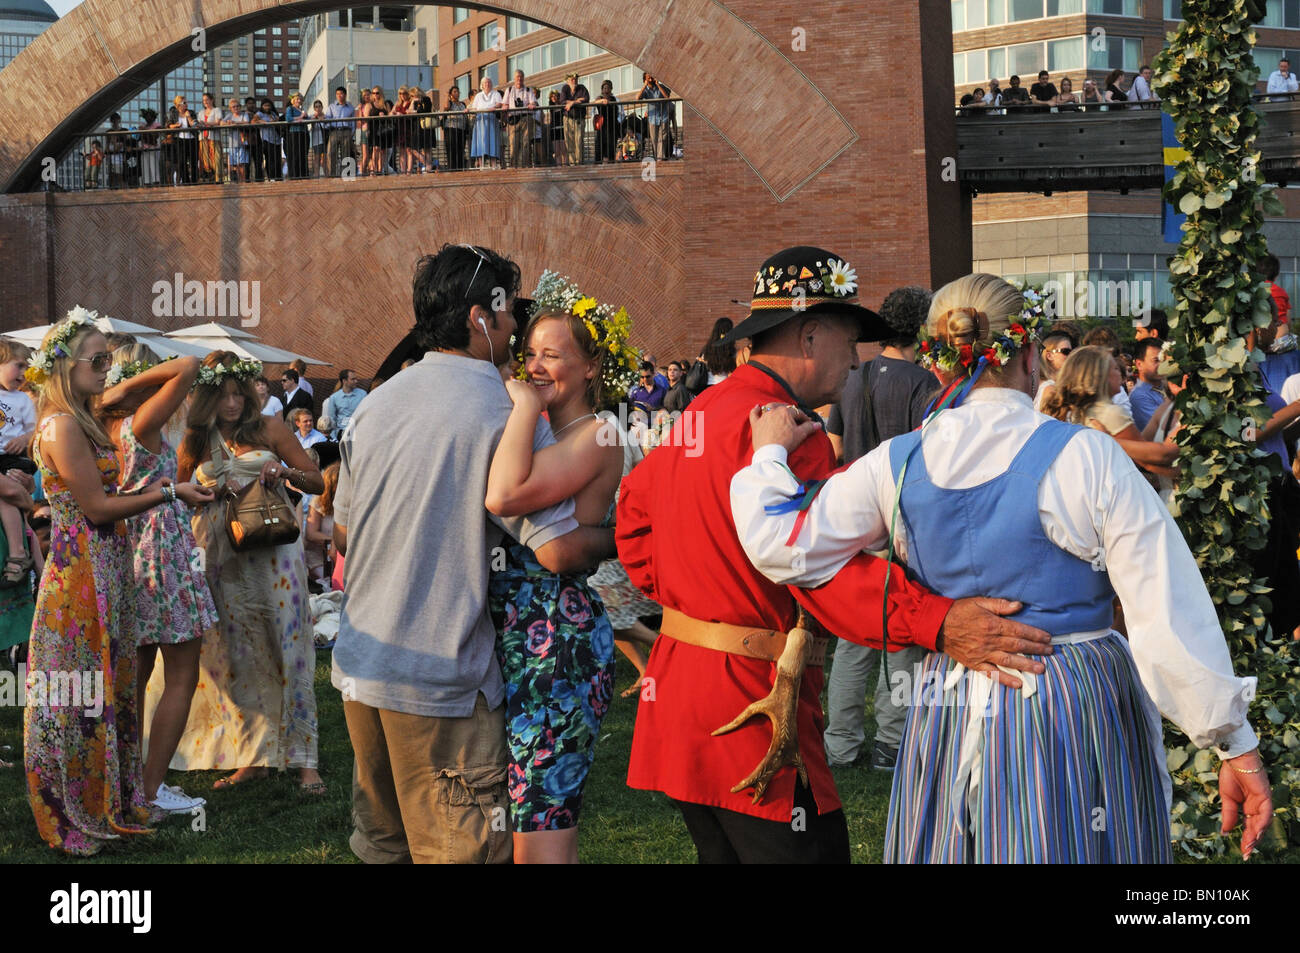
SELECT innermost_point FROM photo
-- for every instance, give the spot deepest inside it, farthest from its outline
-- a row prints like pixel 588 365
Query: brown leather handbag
pixel 257 517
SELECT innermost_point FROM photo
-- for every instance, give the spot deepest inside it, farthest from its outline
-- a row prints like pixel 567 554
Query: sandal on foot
pixel 315 789
pixel 230 780
pixel 16 569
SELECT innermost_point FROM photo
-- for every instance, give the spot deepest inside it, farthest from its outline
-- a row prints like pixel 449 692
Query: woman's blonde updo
pixel 967 317
pixel 974 310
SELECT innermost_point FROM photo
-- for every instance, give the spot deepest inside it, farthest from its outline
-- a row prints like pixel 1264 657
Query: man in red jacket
pixel 725 624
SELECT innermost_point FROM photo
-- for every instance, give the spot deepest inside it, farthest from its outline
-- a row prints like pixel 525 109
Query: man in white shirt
pixel 1282 80
pixel 519 124
pixel 994 96
pixel 301 367
pixel 1141 91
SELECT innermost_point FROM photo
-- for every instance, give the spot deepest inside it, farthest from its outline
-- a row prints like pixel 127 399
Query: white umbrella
pixel 160 345
pixel 32 337
pixel 241 342
pixel 212 330
pixel 171 347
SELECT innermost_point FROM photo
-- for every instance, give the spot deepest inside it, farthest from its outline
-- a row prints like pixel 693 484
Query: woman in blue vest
pixel 998 500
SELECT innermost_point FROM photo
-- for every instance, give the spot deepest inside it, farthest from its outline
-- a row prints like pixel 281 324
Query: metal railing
pixel 412 143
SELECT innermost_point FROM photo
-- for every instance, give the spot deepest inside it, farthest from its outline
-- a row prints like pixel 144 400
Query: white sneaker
pixel 173 801
pixel 179 793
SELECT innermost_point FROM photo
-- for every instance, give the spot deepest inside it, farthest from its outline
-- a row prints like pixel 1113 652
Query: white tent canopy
pixel 197 341
pixel 150 337
pixel 221 337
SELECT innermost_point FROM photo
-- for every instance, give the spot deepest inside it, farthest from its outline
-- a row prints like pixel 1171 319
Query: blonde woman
pixel 991 498
pixel 1054 347
pixel 404 157
pixel 1085 386
pixel 83 754
pixel 255 708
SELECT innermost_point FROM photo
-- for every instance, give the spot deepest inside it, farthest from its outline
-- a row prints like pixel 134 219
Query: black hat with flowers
pixel 806 280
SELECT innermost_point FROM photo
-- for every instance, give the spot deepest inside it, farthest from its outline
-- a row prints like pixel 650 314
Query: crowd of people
pixel 501 528
pixel 254 141
pixel 1116 91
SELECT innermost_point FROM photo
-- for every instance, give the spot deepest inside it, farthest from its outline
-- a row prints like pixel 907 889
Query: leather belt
pixel 765 645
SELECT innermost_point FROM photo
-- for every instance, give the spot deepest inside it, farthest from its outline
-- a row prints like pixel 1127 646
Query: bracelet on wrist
pixel 1251 771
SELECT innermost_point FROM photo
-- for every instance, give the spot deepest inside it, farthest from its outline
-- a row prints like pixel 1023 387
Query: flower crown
pixel 124 372
pixel 241 370
pixel 947 356
pixel 42 362
pixel 609 329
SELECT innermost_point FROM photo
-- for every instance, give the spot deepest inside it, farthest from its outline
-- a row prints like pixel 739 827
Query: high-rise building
pixel 391 45
pixel 1099 236
pixel 21 21
pixel 265 64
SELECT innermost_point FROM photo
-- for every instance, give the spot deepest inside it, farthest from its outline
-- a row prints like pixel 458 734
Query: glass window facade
pixel 973 14
pixel 460 48
pixel 518 26
pixel 459 13
pixel 487 36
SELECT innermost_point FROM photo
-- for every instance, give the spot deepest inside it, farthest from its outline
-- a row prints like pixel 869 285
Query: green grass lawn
pixel 268 821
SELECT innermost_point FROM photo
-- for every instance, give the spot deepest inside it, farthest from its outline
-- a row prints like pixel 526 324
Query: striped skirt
pixel 1069 769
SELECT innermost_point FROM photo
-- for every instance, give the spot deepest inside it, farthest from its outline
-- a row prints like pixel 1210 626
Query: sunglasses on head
pixel 100 362
pixel 481 258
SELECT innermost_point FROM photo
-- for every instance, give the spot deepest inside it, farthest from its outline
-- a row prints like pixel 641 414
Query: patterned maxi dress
pixel 83 756
pixel 255 705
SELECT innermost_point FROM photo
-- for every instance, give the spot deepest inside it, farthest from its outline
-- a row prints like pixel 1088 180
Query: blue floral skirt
pixel 556 649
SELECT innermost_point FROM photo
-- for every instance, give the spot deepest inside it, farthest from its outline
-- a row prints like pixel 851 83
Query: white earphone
pixel 491 350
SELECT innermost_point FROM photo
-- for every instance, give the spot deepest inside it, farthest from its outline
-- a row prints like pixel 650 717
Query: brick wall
pixel 334 259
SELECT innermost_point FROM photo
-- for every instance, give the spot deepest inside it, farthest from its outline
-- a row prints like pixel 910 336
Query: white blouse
pixel 1093 503
pixel 482 100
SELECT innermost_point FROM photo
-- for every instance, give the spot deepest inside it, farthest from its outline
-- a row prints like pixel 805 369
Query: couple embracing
pixel 474 660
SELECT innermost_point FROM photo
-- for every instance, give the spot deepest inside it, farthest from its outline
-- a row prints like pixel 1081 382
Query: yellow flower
pixel 583 305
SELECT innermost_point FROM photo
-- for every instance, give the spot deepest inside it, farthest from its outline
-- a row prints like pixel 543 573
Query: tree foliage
pixel 1205 79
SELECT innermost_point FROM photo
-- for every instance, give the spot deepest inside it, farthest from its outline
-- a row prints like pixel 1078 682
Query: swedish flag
pixel 1171 219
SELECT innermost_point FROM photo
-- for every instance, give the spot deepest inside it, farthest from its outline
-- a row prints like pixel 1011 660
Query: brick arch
pixel 105 51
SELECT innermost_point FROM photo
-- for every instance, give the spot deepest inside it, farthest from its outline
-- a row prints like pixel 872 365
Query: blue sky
pixel 63 6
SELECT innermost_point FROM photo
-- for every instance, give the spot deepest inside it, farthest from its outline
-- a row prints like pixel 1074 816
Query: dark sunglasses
pixel 100 362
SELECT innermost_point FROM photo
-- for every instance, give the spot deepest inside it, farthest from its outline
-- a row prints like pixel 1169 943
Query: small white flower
pixel 843 280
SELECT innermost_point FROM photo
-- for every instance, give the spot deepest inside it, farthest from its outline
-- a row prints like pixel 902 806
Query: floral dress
pixel 556 649
pixel 172 600
pixel 255 705
pixel 83 753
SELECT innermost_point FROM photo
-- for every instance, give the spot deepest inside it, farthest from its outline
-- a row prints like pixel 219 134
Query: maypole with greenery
pixel 1205 79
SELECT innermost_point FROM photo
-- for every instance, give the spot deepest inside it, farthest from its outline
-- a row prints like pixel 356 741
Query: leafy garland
pixel 1205 80
pixel 42 362
pixel 123 372
pixel 241 370
pixel 609 328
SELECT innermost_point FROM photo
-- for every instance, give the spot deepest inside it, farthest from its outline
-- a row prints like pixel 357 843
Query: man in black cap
pixel 884 398
pixel 725 624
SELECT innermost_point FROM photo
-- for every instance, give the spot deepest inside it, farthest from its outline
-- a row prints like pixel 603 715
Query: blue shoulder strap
pixel 1042 448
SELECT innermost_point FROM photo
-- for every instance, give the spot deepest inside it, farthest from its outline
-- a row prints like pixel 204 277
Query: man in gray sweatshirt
pixel 415 660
